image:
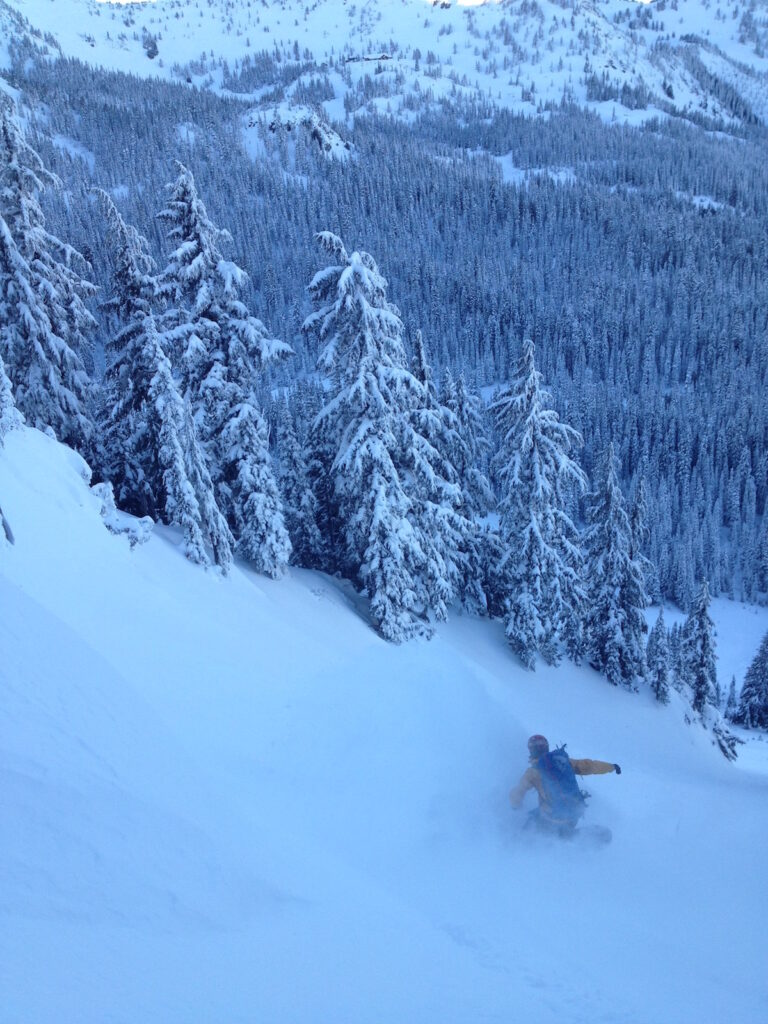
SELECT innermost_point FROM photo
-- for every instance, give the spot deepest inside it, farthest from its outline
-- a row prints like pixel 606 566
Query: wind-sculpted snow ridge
pixel 229 800
pixel 628 61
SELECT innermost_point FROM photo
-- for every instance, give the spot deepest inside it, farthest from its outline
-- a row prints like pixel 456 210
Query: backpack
pixel 566 800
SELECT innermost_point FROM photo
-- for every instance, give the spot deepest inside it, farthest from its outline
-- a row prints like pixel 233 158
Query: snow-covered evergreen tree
pixel 752 708
pixel 466 457
pixel 10 417
pixel 46 327
pixel 700 673
pixel 725 739
pixel 322 448
pixel 149 448
pixel 615 624
pixel 543 554
pixel 48 379
pixel 448 535
pixel 167 421
pixel 639 532
pixel 299 501
pixel 677 666
pixel 379 455
pixel 494 567
pixel 191 285
pixel 731 704
pixel 212 522
pixel 699 652
pixel 127 444
pixel 213 334
pixel 221 349
pixel 251 492
pixel 657 659
pixel 718 701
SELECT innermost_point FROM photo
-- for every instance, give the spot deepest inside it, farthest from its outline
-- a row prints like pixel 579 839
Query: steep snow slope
pixel 516 53
pixel 14 27
pixel 229 800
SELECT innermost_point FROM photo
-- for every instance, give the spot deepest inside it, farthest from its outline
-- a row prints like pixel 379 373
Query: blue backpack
pixel 566 800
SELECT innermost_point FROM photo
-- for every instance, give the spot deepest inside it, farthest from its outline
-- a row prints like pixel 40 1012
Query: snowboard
pixel 589 835
pixel 595 835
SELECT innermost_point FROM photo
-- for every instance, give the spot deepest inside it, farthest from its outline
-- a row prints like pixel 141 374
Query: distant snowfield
pixel 515 55
pixel 230 801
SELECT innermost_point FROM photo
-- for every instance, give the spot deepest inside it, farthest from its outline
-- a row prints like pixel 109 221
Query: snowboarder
pixel 553 776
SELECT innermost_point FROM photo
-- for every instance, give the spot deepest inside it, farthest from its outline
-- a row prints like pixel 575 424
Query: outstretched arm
pixel 584 766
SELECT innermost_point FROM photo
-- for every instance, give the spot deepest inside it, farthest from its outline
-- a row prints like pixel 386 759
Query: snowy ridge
pixel 517 54
pixel 287 120
pixel 231 798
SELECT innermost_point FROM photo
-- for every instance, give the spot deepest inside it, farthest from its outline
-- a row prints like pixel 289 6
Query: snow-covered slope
pixel 229 800
pixel 14 27
pixel 682 56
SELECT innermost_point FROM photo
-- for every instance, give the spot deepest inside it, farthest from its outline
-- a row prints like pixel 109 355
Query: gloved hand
pixel 617 769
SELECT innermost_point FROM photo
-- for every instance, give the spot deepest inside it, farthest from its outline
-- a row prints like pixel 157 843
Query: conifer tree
pixel 761 555
pixel 307 399
pixel 639 532
pixel 469 456
pixel 214 335
pixel 615 624
pixel 149 450
pixel 299 500
pixel 212 522
pixel 221 349
pixel 448 535
pixel 725 739
pixel 46 327
pixel 699 652
pixel 657 659
pixel 363 423
pixel 251 492
pixel 48 379
pixel 718 700
pixel 752 708
pixel 167 420
pixel 477 495
pixel 495 585
pixel 10 417
pixel 127 447
pixel 322 448
pixel 543 554
pixel 381 460
pixel 678 674
pixel 731 704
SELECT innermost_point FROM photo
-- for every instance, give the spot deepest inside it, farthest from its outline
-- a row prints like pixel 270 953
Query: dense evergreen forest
pixel 634 259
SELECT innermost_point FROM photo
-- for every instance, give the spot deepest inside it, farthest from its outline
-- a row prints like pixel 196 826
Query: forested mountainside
pixel 632 255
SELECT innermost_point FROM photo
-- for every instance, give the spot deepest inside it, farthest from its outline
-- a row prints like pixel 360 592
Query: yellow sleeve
pixel 583 766
pixel 518 793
